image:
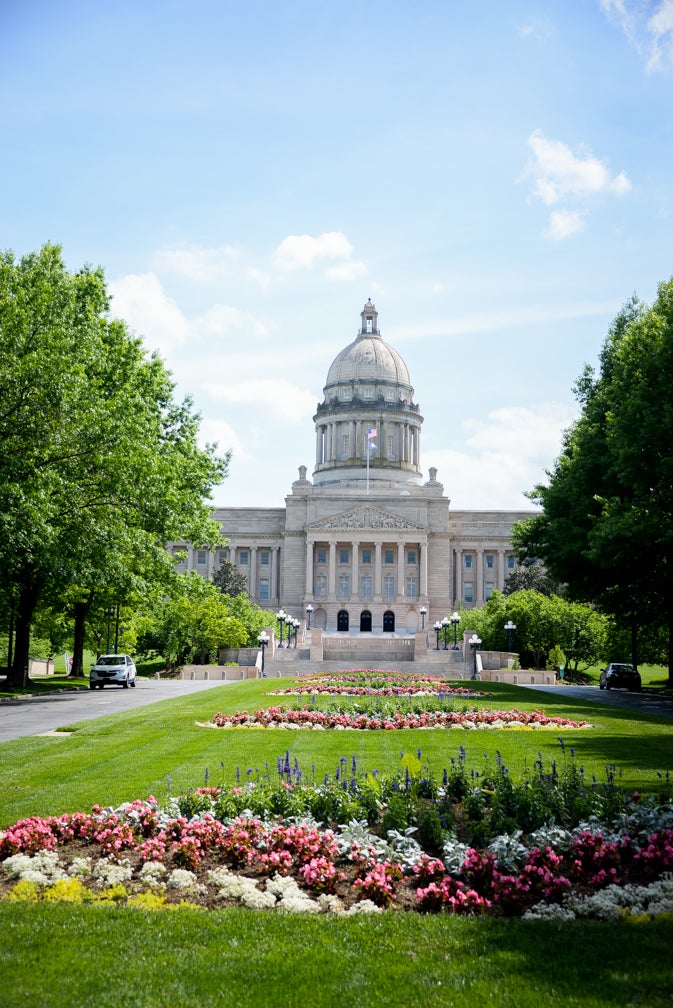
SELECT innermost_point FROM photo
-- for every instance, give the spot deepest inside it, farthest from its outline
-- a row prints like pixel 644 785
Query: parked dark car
pixel 620 675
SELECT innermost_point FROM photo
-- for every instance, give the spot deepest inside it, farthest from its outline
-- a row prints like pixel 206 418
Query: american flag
pixel 371 433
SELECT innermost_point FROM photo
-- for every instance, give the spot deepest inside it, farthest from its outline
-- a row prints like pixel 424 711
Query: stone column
pixel 308 587
pixel 400 568
pixel 479 598
pixel 252 577
pixel 377 571
pixel 423 586
pixel 331 570
pixel 500 580
pixel 355 569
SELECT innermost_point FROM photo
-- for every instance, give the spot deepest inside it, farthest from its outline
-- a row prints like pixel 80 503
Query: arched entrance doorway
pixel 389 622
pixel 342 620
pixel 365 621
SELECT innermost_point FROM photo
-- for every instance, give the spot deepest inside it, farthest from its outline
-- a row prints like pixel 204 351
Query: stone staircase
pixel 296 662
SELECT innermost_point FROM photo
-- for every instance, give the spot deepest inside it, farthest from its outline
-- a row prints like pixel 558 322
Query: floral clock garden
pixel 548 843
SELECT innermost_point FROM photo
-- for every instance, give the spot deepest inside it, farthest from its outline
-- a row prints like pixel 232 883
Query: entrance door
pixel 342 620
pixel 389 622
pixel 366 621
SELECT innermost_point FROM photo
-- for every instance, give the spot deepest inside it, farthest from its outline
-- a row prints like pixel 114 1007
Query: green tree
pixel 606 530
pixel 230 580
pixel 99 466
pixel 530 576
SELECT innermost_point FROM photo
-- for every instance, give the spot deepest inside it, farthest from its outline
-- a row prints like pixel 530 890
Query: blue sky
pixel 497 177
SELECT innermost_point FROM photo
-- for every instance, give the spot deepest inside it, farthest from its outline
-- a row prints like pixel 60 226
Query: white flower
pixel 79 867
pixel 109 872
pixel 151 873
pixel 181 878
pixel 255 899
pixel 329 903
pixel 363 907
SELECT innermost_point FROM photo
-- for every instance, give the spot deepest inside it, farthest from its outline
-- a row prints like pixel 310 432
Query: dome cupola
pixel 367 390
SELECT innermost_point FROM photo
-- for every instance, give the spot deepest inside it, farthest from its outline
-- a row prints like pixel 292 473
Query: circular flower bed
pixel 353 718
pixel 373 682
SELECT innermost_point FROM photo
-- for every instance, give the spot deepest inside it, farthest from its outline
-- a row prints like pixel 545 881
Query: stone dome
pixel 368 359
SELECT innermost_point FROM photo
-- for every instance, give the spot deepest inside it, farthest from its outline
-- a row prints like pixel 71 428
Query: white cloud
pixel 563 224
pixel 302 251
pixel 505 456
pixel 346 271
pixel 223 320
pixel 660 28
pixel 560 174
pixel 140 300
pixel 221 433
pixel 277 396
pixel 650 34
pixel 197 263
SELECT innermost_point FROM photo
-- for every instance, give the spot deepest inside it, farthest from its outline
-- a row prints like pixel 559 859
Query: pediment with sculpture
pixel 365 517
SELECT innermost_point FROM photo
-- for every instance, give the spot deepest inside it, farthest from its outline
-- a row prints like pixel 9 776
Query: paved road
pixel 37 715
pixel 646 703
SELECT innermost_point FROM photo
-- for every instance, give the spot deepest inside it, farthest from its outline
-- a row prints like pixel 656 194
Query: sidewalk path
pixel 37 715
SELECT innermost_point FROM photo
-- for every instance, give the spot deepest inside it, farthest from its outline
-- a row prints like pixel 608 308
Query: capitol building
pixel 366 544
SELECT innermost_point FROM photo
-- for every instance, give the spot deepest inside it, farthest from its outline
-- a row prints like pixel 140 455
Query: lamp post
pixel 309 613
pixel 445 627
pixel 424 612
pixel 295 624
pixel 455 620
pixel 510 628
pixel 263 639
pixel 437 627
pixel 474 643
pixel 281 616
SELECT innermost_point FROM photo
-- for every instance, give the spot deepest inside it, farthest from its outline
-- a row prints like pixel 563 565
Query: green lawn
pixel 90 957
pixel 79 956
pixel 125 756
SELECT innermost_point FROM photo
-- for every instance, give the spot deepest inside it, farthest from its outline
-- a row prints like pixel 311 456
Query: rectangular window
pixel 389 588
pixel 411 557
pixel 389 441
pixel 321 586
pixel 201 557
pixel 345 445
pixel 488 590
pixel 468 560
pixel 264 590
pixel 368 393
pixel 388 556
pixel 490 561
pixel 244 558
pixel 344 556
pixel 322 556
pixel 222 555
pixel 344 586
pixel 265 558
pixel 511 562
pixel 467 592
pixel 366 591
pixel 366 556
pixel 412 591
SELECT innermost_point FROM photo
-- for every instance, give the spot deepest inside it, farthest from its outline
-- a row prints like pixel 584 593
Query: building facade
pixel 366 543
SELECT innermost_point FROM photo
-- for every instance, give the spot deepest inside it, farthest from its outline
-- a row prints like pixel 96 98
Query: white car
pixel 115 669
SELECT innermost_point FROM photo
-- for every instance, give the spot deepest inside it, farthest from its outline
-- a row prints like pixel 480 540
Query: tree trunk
pixel 81 611
pixel 17 677
pixel 670 650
